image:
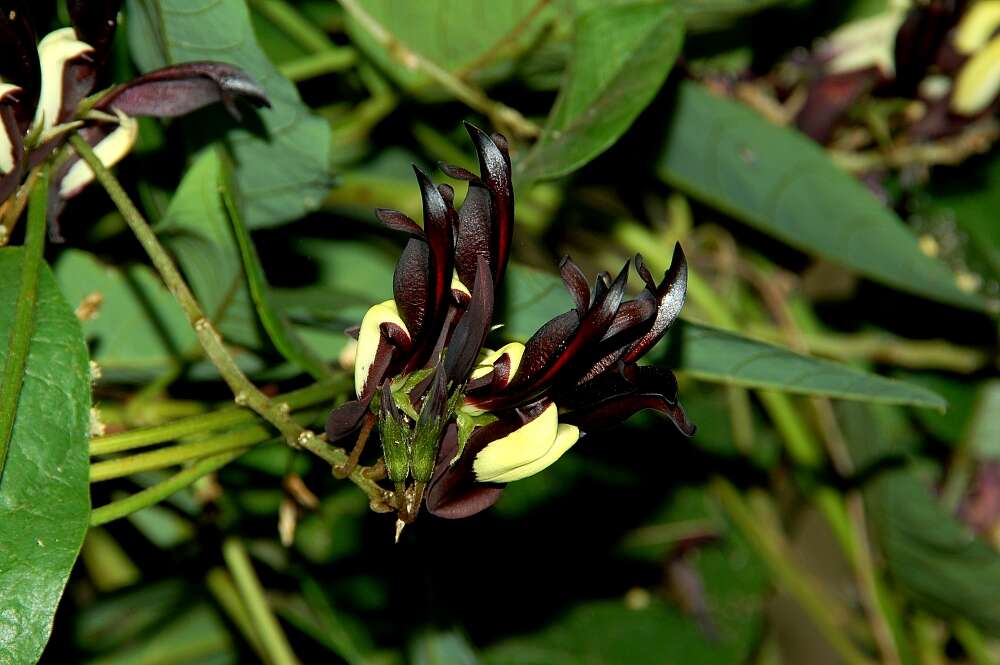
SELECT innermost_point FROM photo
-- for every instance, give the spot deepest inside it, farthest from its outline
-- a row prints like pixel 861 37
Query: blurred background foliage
pixel 840 502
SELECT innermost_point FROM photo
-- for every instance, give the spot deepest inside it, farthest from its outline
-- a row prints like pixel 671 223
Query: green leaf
pixel 935 558
pixel 442 647
pixel 621 58
pixel 197 229
pixel 44 492
pixel 714 355
pixel 279 330
pixel 475 37
pixel 138 329
pixel 282 175
pixel 778 181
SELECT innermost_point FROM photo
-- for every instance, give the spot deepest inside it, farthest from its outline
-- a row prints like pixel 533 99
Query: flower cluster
pixel 945 53
pixel 462 420
pixel 44 92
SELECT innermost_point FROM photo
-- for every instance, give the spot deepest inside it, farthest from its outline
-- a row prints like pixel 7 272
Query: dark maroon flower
pixel 488 417
pixel 42 88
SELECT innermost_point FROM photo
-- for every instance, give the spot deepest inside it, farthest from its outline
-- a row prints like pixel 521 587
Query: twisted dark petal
pixel 473 238
pixel 19 60
pixel 345 420
pixel 632 314
pixel 94 22
pixel 494 168
pixel 453 492
pixel 397 221
pixel 472 328
pixel 180 89
pixel 478 384
pixel 411 287
pixel 384 354
pixel 670 295
pixel 601 286
pixel 613 396
pixel 576 284
pixel 457 172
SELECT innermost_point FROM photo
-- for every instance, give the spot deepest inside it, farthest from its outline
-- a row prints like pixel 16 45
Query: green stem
pixel 24 314
pixel 173 455
pixel 974 643
pixel 769 545
pixel 222 419
pixel 318 64
pixel 220 584
pixel 246 394
pixel 160 491
pixel 266 626
pixel 287 19
pixel 472 96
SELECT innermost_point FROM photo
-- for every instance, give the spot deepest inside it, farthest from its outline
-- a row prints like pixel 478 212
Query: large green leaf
pixel 710 354
pixel 138 328
pixel 44 492
pixel 622 56
pixel 780 182
pixel 282 175
pixel 456 35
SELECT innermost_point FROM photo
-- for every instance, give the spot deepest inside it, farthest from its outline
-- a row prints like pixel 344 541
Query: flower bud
pixel 395 435
pixel 430 427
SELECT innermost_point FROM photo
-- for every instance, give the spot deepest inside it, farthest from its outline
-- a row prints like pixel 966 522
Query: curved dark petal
pixel 615 395
pixel 180 89
pixel 576 284
pixel 494 169
pixel 601 285
pixel 501 372
pixel 472 328
pixel 94 22
pixel 79 78
pixel 453 492
pixel 478 384
pixel 473 238
pixel 345 420
pixel 397 221
pixel 14 144
pixel 411 287
pixel 395 335
pixel 545 345
pixel 632 313
pixel 631 322
pixel 829 98
pixel 457 172
pixel 447 192
pixel 670 295
pixel 19 60
pixel 384 356
pixel 438 231
pixel 644 274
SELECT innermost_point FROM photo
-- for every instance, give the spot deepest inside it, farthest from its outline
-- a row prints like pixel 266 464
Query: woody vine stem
pixel 245 392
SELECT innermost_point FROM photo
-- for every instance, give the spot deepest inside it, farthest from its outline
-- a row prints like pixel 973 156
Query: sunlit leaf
pixel 44 491
pixel 622 55
pixel 778 181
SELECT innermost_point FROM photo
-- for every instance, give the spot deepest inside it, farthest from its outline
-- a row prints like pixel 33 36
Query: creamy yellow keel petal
pixel 978 81
pixel 54 51
pixel 522 446
pixel 6 146
pixel 978 24
pixel 368 339
pixel 566 436
pixel 110 150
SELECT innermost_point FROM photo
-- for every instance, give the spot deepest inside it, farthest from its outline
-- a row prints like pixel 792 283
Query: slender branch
pixel 974 644
pixel 317 64
pixel 221 419
pixel 769 545
pixel 220 583
pixel 19 342
pixel 266 626
pixel 508 38
pixel 324 57
pixel 499 114
pixel 173 455
pixel 246 394
pixel 160 491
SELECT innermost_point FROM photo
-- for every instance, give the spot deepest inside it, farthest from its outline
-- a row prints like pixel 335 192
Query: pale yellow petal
pixel 54 51
pixel 566 436
pixel 866 43
pixel 110 150
pixel 6 145
pixel 978 81
pixel 368 339
pixel 978 24
pixel 523 446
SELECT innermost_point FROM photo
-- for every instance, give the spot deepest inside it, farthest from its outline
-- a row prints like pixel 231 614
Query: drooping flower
pixel 44 90
pixel 462 420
